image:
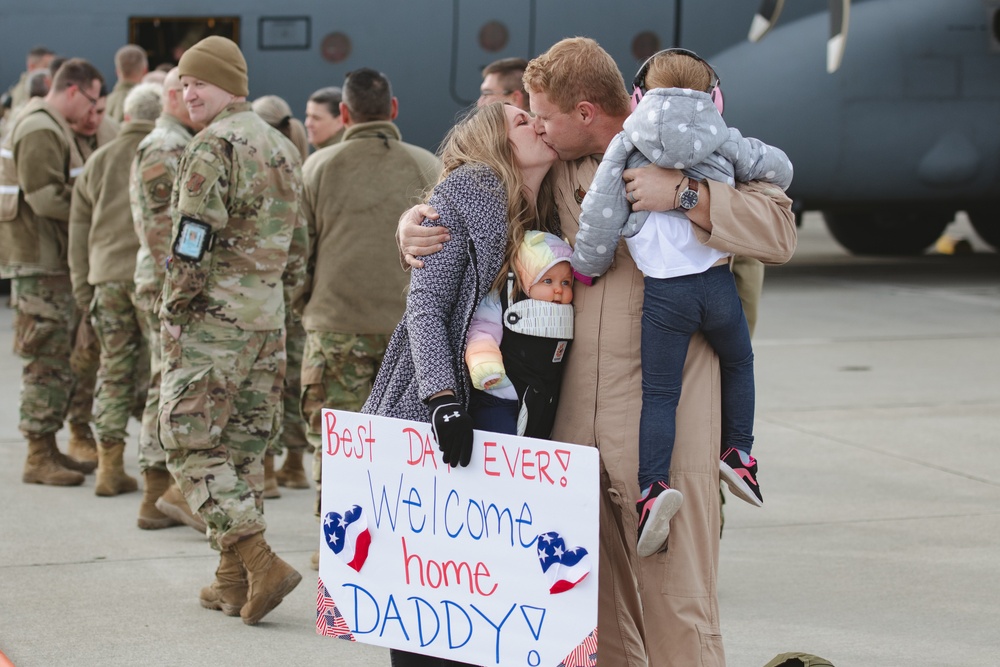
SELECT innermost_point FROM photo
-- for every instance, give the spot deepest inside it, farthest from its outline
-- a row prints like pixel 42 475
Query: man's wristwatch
pixel 688 197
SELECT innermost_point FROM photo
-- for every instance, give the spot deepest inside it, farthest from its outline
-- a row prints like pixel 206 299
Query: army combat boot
pixel 42 466
pixel 270 480
pixel 155 482
pixel 82 446
pixel 228 593
pixel 173 504
pixel 111 477
pixel 292 474
pixel 270 578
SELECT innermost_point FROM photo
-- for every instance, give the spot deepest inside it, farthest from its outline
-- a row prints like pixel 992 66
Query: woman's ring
pixel 631 197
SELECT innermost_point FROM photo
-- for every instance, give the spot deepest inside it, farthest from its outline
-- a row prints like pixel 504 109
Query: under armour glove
pixel 453 429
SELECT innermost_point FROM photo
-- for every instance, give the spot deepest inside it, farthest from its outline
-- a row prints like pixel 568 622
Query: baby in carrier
pixel 518 340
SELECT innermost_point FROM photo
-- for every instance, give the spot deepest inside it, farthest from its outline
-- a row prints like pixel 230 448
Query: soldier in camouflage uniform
pixel 102 250
pixel 152 178
pixel 90 132
pixel 38 159
pixel 239 239
pixel 355 191
pixel 276 112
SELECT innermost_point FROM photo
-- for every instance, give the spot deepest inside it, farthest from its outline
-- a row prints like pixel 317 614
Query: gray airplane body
pixel 889 145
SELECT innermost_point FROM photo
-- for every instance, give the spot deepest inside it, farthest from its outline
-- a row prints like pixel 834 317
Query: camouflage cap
pixel 219 61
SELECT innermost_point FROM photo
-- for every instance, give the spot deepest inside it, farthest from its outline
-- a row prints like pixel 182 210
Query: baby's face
pixel 555 285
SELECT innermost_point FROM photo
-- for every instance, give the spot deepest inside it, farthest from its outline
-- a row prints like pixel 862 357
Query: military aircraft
pixel 889 144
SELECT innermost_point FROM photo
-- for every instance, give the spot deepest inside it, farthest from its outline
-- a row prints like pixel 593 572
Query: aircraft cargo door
pixel 484 32
pixel 165 38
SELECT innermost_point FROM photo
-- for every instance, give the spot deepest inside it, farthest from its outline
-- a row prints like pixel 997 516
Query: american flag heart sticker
pixel 565 568
pixel 347 536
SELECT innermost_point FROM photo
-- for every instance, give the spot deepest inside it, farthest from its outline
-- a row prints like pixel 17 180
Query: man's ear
pixel 587 111
pixel 395 109
pixel 519 100
pixel 345 114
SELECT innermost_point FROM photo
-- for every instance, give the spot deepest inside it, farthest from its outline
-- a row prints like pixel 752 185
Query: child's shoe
pixel 739 471
pixel 655 509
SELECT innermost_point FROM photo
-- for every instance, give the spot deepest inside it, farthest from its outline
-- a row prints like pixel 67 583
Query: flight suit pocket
pixel 185 418
pixel 636 293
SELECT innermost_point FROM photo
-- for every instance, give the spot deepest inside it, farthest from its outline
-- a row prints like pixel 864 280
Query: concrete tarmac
pixel 878 429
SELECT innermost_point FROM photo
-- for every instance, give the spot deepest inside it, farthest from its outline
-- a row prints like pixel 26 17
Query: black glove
pixel 453 430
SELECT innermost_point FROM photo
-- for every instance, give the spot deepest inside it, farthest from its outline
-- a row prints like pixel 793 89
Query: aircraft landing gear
pixel 986 221
pixel 890 231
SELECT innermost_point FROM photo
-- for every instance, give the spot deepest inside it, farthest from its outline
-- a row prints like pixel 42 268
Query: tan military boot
pixel 228 593
pixel 173 504
pixel 82 445
pixel 155 483
pixel 314 560
pixel 42 466
pixel 292 474
pixel 82 448
pixel 270 480
pixel 111 477
pixel 271 578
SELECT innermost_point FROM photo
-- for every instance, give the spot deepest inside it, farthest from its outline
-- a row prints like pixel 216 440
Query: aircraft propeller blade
pixel 840 11
pixel 765 18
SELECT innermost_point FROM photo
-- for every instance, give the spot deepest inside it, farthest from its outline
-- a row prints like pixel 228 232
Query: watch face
pixel 689 199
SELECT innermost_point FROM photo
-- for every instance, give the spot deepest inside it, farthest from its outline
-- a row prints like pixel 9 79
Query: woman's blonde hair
pixel 481 138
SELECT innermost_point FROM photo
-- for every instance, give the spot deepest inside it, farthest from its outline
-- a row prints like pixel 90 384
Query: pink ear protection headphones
pixel 639 82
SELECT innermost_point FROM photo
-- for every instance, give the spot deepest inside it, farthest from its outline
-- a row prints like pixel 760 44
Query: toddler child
pixel 677 123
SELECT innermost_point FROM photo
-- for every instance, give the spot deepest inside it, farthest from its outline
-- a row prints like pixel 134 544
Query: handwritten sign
pixel 493 564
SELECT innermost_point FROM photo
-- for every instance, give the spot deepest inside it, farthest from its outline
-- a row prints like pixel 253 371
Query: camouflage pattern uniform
pixel 33 242
pixel 222 378
pixel 102 259
pixel 293 426
pixel 150 183
pixel 337 372
pixel 85 359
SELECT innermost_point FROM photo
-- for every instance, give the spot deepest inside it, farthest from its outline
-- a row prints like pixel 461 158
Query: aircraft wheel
pixel 896 232
pixel 986 221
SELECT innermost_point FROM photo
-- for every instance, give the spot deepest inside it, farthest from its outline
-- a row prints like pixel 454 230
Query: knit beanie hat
pixel 219 61
pixel 539 252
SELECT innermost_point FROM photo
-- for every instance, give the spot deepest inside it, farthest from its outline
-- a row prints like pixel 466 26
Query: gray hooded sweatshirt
pixel 674 128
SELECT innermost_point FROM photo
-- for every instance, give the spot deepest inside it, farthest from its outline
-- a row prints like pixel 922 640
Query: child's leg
pixel 670 315
pixel 490 413
pixel 725 329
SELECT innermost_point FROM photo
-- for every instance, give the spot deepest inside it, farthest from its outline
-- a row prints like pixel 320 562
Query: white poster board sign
pixel 493 564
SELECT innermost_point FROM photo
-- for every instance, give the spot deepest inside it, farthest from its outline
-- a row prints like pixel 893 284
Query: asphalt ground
pixel 878 425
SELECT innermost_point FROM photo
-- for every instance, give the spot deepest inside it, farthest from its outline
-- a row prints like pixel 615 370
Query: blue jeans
pixel 489 413
pixel 673 310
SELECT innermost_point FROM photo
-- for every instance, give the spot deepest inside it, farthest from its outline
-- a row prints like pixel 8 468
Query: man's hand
pixel 652 188
pixel 86 337
pixel 414 239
